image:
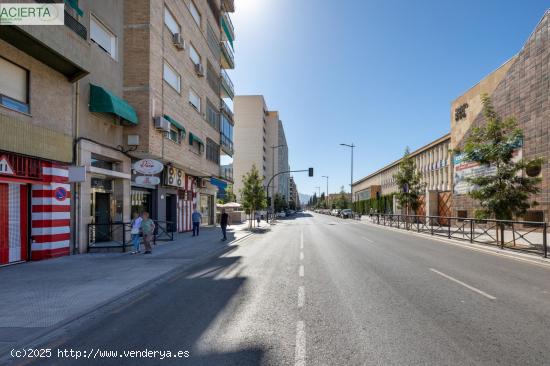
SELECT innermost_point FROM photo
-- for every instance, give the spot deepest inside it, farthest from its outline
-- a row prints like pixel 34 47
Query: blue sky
pixel 380 74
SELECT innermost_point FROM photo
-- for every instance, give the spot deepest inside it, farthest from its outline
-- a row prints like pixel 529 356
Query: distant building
pixel 260 141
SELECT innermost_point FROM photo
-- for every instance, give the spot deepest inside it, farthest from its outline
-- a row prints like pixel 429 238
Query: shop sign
pixel 147 180
pixel 5 167
pixel 464 169
pixel 148 166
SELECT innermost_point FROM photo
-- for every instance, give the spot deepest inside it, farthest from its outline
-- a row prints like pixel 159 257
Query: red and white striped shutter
pixel 51 213
pixel 13 222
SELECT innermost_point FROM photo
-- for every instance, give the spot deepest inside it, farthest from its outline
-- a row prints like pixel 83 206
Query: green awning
pixel 176 124
pixel 101 100
pixel 193 138
pixel 74 4
pixel 227 32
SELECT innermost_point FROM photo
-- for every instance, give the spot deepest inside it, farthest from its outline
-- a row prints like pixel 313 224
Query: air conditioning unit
pixel 162 123
pixel 178 41
pixel 199 69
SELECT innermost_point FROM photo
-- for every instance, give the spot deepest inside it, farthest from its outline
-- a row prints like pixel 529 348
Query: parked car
pixel 281 214
pixel 346 213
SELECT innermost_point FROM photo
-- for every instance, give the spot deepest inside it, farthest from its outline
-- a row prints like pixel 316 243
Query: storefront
pixel 35 209
pixel 186 202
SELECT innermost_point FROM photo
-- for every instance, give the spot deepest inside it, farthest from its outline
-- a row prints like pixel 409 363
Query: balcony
pixel 226 144
pixel 226 172
pixel 228 112
pixel 228 58
pixel 227 90
pixel 228 28
pixel 228 5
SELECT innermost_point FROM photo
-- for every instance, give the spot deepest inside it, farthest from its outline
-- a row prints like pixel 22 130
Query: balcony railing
pixel 227 27
pixel 228 112
pixel 70 21
pixel 228 5
pixel 226 144
pixel 228 59
pixel 228 89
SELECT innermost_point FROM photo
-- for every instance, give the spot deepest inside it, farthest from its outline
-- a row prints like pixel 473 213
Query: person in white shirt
pixel 135 230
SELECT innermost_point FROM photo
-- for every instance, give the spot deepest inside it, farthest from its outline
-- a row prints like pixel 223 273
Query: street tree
pixel 253 193
pixel 342 201
pixel 408 181
pixel 280 203
pixel 506 192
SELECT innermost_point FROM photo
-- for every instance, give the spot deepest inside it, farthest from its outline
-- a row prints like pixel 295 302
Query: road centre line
pixel 301 256
pixel 300 353
pixel 301 271
pixel 482 293
pixel 301 240
pixel 301 296
pixel 367 239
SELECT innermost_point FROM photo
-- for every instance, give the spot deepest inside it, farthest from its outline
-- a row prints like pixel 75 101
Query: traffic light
pixel 310 172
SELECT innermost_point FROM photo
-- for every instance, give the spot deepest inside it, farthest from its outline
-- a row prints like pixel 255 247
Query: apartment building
pixel 39 71
pixel 260 141
pixel 293 192
pixel 176 78
pixel 433 161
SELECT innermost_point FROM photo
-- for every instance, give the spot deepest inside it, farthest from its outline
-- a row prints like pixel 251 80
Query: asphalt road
pixel 318 290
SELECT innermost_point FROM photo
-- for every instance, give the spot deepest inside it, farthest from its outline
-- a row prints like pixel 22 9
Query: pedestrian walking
pixel 224 223
pixel 196 217
pixel 258 217
pixel 135 227
pixel 147 229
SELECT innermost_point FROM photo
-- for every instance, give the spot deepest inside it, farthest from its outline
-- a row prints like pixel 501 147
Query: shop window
pixel 14 86
pixel 101 162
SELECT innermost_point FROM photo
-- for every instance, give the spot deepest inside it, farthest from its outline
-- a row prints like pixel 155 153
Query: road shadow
pixel 173 316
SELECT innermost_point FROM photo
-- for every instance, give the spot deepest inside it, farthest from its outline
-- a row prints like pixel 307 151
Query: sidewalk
pixel 40 295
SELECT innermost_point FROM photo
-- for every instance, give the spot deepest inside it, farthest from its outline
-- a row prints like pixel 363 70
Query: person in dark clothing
pixel 224 223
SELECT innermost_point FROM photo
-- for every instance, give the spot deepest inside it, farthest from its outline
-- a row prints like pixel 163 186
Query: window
pixel 195 100
pixel 14 81
pixel 195 13
pixel 174 134
pixel 194 55
pixel 171 76
pixel 212 151
pixel 212 115
pixel 101 36
pixel 170 22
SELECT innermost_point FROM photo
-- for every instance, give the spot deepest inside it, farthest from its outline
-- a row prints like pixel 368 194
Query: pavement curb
pixel 507 253
pixel 128 295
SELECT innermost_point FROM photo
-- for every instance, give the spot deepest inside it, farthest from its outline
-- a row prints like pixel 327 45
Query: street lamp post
pixel 352 146
pixel 326 197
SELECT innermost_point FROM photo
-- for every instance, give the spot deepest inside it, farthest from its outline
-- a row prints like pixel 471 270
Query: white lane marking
pixel 482 293
pixel 301 256
pixel 367 239
pixel 301 270
pixel 301 240
pixel 300 355
pixel 301 296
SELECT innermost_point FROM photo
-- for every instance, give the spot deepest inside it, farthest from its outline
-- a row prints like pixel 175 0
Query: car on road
pixel 335 212
pixel 346 213
pixel 281 214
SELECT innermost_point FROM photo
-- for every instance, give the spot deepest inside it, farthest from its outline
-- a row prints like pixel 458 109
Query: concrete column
pixel 431 202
